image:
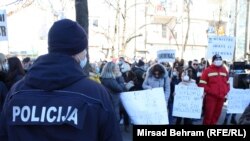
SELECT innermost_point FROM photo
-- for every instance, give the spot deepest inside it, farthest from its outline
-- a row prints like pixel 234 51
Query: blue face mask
pixel 97 70
pixel 83 62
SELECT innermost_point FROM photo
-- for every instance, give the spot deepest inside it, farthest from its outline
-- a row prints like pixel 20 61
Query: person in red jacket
pixel 214 79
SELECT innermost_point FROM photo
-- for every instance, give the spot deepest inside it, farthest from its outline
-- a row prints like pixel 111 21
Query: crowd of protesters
pixel 140 75
pixel 122 76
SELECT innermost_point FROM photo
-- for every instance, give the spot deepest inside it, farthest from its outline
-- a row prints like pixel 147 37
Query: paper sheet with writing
pixel 147 107
pixel 166 55
pixel 3 26
pixel 238 100
pixel 222 45
pixel 188 101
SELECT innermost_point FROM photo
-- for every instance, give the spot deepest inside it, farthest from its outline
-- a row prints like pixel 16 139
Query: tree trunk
pixel 188 27
pixel 124 17
pixel 115 35
pixel 82 17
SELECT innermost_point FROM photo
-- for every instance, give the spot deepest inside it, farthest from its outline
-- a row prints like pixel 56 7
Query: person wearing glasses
pixel 194 67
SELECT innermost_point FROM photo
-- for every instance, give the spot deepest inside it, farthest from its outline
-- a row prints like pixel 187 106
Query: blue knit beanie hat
pixel 216 57
pixel 67 37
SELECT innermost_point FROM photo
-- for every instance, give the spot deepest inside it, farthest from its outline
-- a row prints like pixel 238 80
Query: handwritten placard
pixel 3 26
pixel 222 45
pixel 147 107
pixel 188 101
pixel 238 100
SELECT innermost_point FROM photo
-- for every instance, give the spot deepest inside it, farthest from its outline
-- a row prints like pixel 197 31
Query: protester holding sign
pixel 175 80
pixel 214 79
pixel 112 80
pixel 157 76
pixel 187 80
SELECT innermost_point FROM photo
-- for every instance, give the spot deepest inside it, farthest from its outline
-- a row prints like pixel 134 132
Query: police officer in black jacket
pixel 55 101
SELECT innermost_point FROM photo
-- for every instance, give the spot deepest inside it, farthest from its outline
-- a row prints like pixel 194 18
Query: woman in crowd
pixel 15 73
pixel 157 76
pixel 112 79
pixel 4 67
pixel 175 80
pixel 3 72
pixel 132 84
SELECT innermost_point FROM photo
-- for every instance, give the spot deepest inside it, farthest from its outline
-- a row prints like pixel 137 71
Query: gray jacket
pixel 152 82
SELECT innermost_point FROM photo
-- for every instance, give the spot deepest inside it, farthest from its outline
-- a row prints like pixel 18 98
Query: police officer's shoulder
pixel 94 89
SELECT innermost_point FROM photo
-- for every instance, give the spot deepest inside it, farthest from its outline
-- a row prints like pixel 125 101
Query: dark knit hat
pixel 216 56
pixel 140 63
pixel 67 37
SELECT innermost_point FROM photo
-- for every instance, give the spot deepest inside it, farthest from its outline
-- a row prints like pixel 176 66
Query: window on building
pixel 164 31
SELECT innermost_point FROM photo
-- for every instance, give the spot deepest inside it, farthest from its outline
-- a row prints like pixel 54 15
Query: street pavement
pixel 127 136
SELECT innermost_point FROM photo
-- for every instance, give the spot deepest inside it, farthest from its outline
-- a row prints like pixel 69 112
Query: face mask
pixel 120 63
pixel 6 66
pixel 186 78
pixel 83 62
pixel 97 70
pixel 218 63
pixel 174 73
pixel 198 74
pixel 157 76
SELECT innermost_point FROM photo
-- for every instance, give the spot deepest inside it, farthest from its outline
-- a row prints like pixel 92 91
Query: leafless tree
pixel 187 10
pixel 121 9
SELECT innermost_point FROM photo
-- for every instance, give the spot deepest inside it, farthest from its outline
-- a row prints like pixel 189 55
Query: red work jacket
pixel 215 81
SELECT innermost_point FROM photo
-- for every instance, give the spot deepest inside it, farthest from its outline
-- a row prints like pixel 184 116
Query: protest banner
pixel 188 101
pixel 222 45
pixel 166 56
pixel 147 107
pixel 3 26
pixel 238 100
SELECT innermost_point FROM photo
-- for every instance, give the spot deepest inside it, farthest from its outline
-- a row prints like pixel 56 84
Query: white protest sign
pixel 166 56
pixel 238 100
pixel 222 45
pixel 3 26
pixel 147 107
pixel 188 101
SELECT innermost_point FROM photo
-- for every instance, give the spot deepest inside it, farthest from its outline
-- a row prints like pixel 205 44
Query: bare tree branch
pixel 172 33
pixel 135 36
pixel 14 2
pixel 105 35
pixel 21 6
pixel 112 5
pixel 188 18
